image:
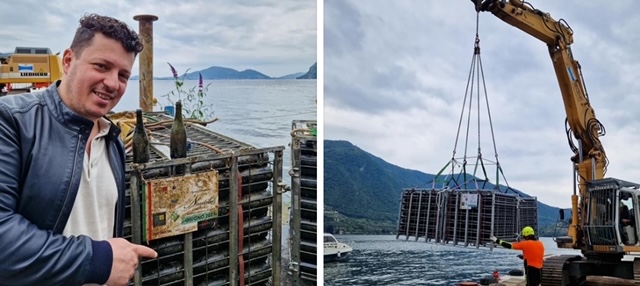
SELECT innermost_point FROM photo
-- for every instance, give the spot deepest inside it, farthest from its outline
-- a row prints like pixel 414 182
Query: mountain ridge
pixel 362 187
pixel 311 74
pixel 225 73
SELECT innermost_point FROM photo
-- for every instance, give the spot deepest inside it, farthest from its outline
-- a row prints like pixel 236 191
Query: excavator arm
pixel 589 156
pixel 599 205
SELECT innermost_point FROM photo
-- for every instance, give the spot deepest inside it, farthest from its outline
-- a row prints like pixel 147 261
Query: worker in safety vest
pixel 533 252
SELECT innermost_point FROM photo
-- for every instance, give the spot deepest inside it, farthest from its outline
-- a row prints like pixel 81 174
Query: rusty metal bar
pixel 277 218
pixel 233 222
pixel 200 158
pixel 188 259
pixel 295 235
pixel 188 250
pixel 136 222
pixel 146 60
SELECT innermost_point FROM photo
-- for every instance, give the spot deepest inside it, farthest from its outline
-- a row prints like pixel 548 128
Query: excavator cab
pixel 612 219
pixel 29 68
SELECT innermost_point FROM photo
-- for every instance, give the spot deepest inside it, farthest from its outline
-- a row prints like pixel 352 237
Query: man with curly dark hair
pixel 62 185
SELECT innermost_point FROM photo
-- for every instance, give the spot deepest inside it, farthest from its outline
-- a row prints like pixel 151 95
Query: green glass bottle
pixel 178 140
pixel 140 140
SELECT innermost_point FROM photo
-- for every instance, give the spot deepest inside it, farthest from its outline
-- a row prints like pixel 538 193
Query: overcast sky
pixel 275 37
pixel 396 74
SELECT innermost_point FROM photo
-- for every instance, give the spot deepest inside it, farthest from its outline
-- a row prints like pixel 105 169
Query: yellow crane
pixel 603 222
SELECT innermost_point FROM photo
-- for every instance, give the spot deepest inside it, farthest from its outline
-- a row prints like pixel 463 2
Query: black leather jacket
pixel 42 144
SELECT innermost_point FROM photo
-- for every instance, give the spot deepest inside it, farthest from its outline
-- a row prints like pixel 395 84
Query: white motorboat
pixel 335 250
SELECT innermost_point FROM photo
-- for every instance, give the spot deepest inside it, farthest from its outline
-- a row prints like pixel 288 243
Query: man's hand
pixel 493 238
pixel 125 260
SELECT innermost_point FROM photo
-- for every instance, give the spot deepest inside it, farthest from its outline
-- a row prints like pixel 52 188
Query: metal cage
pixel 464 217
pixel 304 204
pixel 242 242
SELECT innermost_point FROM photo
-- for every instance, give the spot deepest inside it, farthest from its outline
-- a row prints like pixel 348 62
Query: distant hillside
pixel 311 74
pixel 291 76
pixel 215 72
pixel 366 190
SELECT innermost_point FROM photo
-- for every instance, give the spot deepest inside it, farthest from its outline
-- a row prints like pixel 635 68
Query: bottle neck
pixel 178 112
pixel 139 119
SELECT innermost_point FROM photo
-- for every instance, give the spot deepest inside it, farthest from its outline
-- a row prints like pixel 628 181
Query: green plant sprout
pixel 193 105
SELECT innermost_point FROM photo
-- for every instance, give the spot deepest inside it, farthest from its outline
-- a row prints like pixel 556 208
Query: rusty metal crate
pixel 439 216
pixel 243 241
pixel 304 229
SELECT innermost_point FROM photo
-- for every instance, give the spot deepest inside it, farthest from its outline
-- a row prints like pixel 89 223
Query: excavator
pixel 603 222
pixel 27 69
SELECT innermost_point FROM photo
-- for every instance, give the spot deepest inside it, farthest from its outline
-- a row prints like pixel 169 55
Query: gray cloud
pixel 396 72
pixel 337 39
pixel 273 37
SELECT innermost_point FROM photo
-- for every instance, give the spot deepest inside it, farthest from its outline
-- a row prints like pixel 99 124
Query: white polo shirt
pixel 93 212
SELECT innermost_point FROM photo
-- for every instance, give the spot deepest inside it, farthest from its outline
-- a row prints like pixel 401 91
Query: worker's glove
pixel 493 238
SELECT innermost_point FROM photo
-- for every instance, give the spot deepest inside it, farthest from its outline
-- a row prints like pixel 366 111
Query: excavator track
pixel 552 270
pixel 636 271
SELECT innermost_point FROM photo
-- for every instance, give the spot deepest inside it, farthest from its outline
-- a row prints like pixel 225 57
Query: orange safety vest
pixel 532 250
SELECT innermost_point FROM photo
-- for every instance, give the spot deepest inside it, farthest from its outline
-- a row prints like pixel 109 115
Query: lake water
pixel 257 112
pixel 385 260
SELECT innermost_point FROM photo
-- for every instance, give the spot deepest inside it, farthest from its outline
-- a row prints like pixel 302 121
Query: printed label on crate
pixel 469 201
pixel 175 205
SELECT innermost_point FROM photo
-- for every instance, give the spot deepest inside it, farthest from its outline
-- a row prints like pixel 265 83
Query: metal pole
pixel 277 218
pixel 188 250
pixel 479 218
pixel 188 259
pixel 233 221
pixel 418 217
pixel 426 232
pixel 404 192
pixel 466 228
pixel 493 215
pixel 455 219
pixel 296 153
pixel 409 216
pixel 519 225
pixel 146 60
pixel 438 216
pixel 443 226
pixel 136 221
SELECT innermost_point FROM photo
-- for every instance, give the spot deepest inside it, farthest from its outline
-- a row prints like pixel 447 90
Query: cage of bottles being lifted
pixel 227 233
pixel 304 228
pixel 464 217
pixel 463 207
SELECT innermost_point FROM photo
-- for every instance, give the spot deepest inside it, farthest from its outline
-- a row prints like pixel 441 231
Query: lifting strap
pixel 459 178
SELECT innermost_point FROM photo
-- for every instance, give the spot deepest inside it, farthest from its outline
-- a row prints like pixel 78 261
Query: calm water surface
pixel 257 112
pixel 383 260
